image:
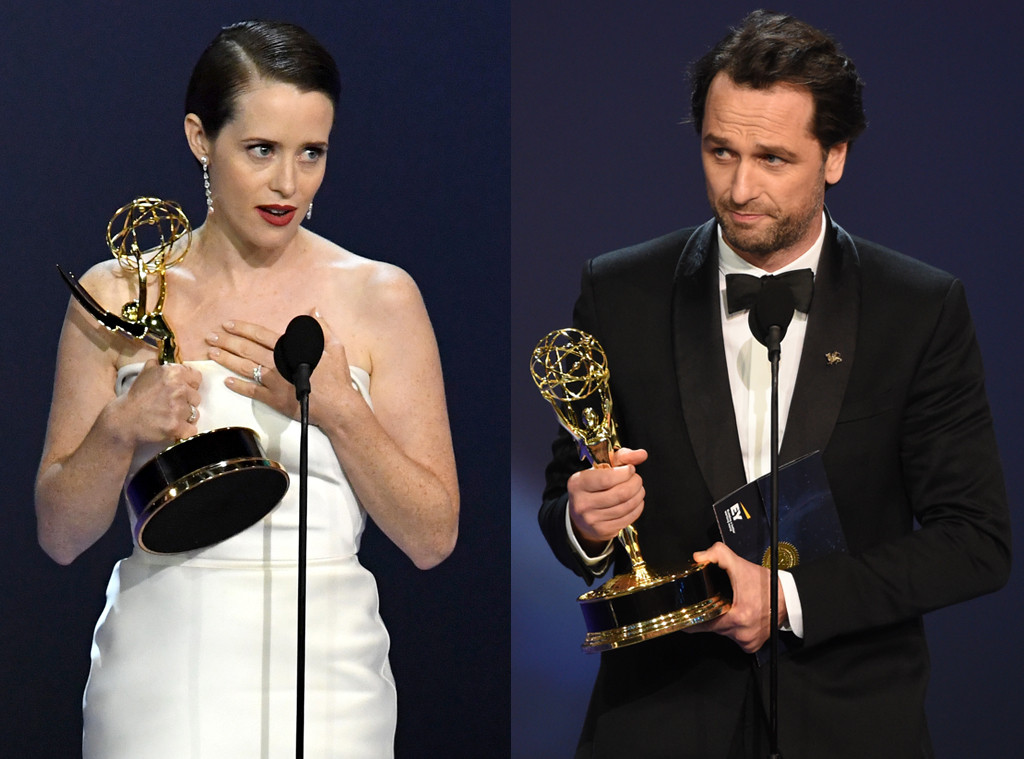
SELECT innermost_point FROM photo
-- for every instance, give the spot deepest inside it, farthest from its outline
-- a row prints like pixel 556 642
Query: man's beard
pixel 783 232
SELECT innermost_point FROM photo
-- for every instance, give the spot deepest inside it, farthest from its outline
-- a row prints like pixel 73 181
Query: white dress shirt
pixel 750 382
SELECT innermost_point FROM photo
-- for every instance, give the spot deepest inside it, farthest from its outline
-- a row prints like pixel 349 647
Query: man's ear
pixel 835 161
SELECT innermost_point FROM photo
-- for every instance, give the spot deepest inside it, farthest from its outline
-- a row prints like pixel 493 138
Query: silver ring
pixel 192 416
pixel 257 374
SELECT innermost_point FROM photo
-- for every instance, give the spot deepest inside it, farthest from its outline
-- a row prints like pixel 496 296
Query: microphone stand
pixel 774 343
pixel 769 318
pixel 296 354
pixel 302 395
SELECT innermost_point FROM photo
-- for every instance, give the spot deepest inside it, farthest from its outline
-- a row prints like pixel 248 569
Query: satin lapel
pixel 700 364
pixel 829 348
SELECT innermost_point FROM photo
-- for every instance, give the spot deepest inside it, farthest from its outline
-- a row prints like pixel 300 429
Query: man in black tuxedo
pixel 882 374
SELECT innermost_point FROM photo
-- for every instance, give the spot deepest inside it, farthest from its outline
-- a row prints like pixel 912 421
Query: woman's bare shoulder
pixel 376 281
pixel 110 285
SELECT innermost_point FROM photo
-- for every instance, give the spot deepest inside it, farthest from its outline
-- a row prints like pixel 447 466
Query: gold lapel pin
pixel 833 358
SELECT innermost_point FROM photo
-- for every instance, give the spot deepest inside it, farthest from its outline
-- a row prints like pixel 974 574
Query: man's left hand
pixel 747 621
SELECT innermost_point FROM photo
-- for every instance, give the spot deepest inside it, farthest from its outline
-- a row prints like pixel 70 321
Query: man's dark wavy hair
pixel 771 48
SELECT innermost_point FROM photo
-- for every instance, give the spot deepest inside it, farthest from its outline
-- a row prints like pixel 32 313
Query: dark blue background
pixel 419 175
pixel 601 159
pixel 91 109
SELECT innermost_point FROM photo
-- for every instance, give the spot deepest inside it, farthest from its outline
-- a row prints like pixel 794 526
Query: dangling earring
pixel 309 213
pixel 206 183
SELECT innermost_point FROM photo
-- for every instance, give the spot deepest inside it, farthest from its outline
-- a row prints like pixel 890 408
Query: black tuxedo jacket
pixel 906 434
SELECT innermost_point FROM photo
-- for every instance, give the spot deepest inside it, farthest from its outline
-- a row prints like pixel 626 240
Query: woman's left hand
pixel 247 349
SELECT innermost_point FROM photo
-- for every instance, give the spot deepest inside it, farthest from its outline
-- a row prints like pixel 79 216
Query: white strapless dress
pixel 194 656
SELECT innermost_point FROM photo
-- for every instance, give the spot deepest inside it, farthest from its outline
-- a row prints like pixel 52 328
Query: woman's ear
pixel 196 137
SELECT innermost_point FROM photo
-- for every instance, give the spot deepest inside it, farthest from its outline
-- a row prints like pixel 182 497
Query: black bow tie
pixel 741 290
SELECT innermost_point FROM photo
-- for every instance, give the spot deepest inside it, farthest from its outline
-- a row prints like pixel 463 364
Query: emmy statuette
pixel 211 486
pixel 570 368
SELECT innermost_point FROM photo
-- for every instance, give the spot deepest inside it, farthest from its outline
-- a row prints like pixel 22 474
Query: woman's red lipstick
pixel 279 216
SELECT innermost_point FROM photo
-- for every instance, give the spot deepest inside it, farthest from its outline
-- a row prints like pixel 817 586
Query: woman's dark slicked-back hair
pixel 251 50
pixel 771 48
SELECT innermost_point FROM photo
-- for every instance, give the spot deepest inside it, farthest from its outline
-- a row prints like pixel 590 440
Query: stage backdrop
pixel 91 109
pixel 602 159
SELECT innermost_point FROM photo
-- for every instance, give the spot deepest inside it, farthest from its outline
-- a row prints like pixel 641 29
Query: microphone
pixel 769 319
pixel 771 314
pixel 298 351
pixel 296 354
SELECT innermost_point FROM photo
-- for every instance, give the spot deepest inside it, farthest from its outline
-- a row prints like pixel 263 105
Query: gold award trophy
pixel 571 370
pixel 213 485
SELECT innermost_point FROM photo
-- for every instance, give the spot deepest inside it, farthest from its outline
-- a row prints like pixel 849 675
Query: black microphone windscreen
pixel 773 308
pixel 301 343
pixel 280 362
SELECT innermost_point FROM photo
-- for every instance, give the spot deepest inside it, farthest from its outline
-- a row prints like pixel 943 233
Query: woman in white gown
pixel 195 653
